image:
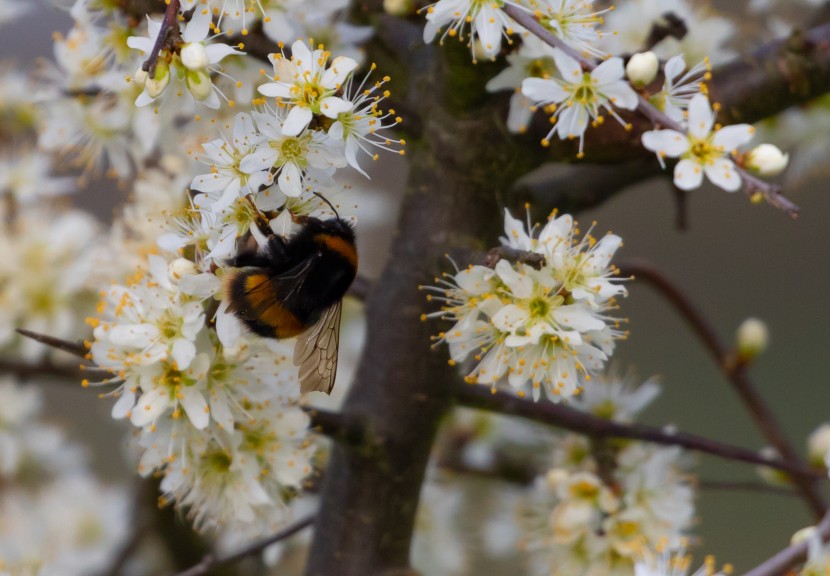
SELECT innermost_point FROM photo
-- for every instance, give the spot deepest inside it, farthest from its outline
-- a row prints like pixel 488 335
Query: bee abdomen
pixel 256 302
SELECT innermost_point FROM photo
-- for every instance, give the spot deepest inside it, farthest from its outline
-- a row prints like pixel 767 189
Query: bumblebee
pixel 295 287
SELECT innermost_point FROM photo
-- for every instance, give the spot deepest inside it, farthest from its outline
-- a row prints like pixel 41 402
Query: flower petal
pixel 688 175
pixel 722 173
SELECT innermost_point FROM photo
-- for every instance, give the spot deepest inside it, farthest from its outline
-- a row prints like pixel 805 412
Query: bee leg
pixel 249 258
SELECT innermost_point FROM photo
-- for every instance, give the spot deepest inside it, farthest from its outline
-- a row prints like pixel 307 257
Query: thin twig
pixel 171 19
pixel 210 561
pixel 761 414
pixel 532 259
pixel 752 185
pixel 76 348
pixel 561 416
pixel 791 556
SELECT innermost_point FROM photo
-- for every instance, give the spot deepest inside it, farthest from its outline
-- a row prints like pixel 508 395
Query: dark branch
pixel 561 416
pixel 32 370
pixel 532 259
pixel 76 348
pixel 209 562
pixel 168 24
pixel 735 373
pixel 338 426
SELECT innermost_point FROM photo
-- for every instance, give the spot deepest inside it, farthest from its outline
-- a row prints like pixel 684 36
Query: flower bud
pixel 180 267
pixel 555 478
pixel 818 445
pixel 767 160
pixel 642 68
pixel 398 7
pixel 156 85
pixel 772 476
pixel 753 338
pixel 803 535
pixel 194 56
pixel 140 76
pixel 199 84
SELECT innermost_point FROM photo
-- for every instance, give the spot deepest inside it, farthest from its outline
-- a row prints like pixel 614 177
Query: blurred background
pixel 735 260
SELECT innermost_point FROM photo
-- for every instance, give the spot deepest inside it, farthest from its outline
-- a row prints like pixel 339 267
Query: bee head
pixel 332 226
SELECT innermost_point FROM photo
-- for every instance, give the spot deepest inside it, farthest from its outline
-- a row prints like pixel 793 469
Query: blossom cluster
pixel 555 77
pixel 603 505
pixel 543 328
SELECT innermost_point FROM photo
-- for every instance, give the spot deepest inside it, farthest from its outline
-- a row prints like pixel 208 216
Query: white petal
pixel 301 55
pixel 290 180
pixel 183 353
pixel 609 71
pixel 199 25
pixel 221 412
pixel 297 120
pixel 135 335
pixel 509 318
pixel 339 69
pixel 578 317
pixel 515 235
pixel 263 158
pixel 621 95
pixel 688 175
pixel 521 285
pixel 150 406
pixel 332 106
pixel 569 68
pixel 195 406
pixel 729 138
pixel 475 280
pixel 275 90
pixel 489 29
pixel 668 143
pixel 701 118
pixel 674 67
pixel 721 172
pixel 216 52
pixel 124 404
pixel 542 90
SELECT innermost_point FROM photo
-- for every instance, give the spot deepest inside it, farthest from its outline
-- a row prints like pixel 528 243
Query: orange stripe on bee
pixel 267 310
pixel 337 244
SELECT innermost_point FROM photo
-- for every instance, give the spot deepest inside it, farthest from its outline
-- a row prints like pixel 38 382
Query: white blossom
pixel 575 97
pixel 308 84
pixel 542 327
pixel 700 149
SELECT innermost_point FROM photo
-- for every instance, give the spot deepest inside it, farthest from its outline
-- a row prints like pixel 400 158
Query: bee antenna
pixel 324 199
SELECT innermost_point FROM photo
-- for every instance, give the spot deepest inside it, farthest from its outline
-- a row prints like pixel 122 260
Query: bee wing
pixel 316 352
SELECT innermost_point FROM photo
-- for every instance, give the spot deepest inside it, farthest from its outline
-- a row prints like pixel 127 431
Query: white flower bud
pixel 180 267
pixel 753 338
pixel 642 68
pixel 767 160
pixel 556 477
pixel 802 535
pixel 769 475
pixel 199 84
pixel 156 85
pixel 194 56
pixel 398 7
pixel 818 446
pixel 140 76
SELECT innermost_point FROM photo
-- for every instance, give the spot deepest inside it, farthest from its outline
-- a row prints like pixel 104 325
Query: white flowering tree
pixel 489 333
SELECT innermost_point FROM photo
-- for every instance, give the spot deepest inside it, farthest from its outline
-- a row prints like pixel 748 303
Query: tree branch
pixel 209 562
pixel 752 185
pixel 560 416
pixel 337 425
pixel 76 348
pixel 170 21
pixel 735 373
